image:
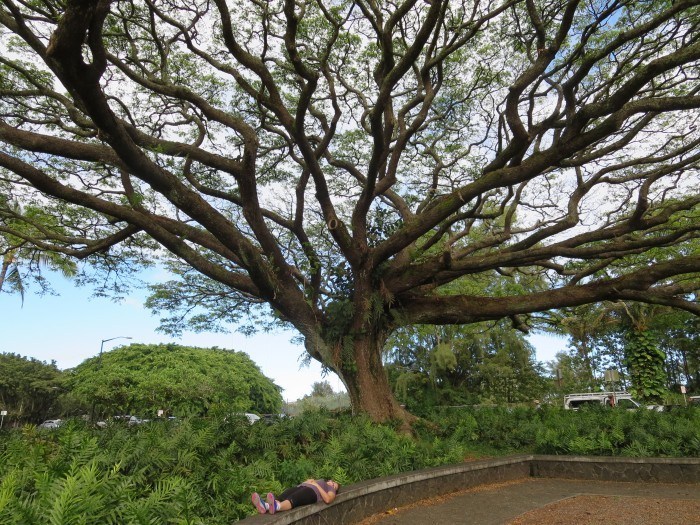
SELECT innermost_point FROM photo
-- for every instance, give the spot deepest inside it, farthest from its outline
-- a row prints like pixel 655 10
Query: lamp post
pixel 102 344
pixel 99 364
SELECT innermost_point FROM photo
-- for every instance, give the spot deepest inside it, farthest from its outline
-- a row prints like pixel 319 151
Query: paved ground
pixel 501 503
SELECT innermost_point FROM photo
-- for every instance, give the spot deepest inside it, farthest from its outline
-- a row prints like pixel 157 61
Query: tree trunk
pixel 367 382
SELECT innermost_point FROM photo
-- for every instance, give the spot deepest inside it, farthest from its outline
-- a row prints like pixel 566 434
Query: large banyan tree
pixel 352 167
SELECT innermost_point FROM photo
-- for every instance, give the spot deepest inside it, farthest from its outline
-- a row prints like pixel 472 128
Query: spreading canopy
pixel 359 165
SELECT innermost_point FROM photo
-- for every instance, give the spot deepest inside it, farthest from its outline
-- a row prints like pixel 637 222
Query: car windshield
pixel 577 403
pixel 626 403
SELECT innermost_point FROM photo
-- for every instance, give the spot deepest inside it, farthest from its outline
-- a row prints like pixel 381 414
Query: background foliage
pixel 468 364
pixel 138 379
pixel 28 388
pixel 180 380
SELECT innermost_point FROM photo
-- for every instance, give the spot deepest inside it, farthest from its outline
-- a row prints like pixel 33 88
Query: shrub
pixel 201 471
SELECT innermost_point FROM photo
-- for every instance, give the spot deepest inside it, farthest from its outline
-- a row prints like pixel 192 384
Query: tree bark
pixel 367 382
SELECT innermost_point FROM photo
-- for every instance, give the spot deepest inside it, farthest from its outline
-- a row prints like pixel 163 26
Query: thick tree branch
pixel 469 309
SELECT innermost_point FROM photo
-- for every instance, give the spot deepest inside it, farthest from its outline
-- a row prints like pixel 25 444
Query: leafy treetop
pixel 180 380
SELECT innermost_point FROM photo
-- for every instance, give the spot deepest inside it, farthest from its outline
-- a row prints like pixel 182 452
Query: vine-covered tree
pixel 342 162
pixel 180 380
pixel 654 348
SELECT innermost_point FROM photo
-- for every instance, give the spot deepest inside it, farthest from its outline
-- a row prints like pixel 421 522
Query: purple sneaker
pixel 255 497
pixel 272 504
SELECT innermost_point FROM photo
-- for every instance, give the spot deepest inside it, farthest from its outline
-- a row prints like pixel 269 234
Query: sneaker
pixel 255 497
pixel 271 503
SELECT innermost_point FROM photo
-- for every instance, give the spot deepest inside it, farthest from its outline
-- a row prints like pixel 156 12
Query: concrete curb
pixel 358 501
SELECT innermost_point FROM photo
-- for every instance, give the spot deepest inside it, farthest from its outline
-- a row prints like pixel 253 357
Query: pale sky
pixel 70 328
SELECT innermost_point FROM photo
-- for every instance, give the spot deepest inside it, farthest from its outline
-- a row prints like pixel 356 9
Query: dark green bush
pixel 600 431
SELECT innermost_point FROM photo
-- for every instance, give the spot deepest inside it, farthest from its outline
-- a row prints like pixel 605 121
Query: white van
pixel 609 399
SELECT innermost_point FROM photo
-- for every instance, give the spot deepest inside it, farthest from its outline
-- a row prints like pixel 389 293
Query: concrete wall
pixel 358 501
pixel 650 470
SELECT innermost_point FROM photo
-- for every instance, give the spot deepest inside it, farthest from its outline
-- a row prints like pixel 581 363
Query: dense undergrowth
pixel 202 471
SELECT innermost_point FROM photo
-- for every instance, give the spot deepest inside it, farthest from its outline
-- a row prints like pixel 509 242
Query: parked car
pixel 252 418
pixel 127 418
pixel 273 418
pixel 51 423
pixel 609 399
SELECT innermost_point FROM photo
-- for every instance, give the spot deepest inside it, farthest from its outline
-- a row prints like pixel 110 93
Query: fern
pixel 581 445
pixel 9 487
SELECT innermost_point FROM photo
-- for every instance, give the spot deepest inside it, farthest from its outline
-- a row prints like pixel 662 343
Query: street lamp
pixel 102 344
pixel 99 366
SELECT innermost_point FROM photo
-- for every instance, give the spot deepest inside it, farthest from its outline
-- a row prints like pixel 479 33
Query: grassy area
pixel 201 471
